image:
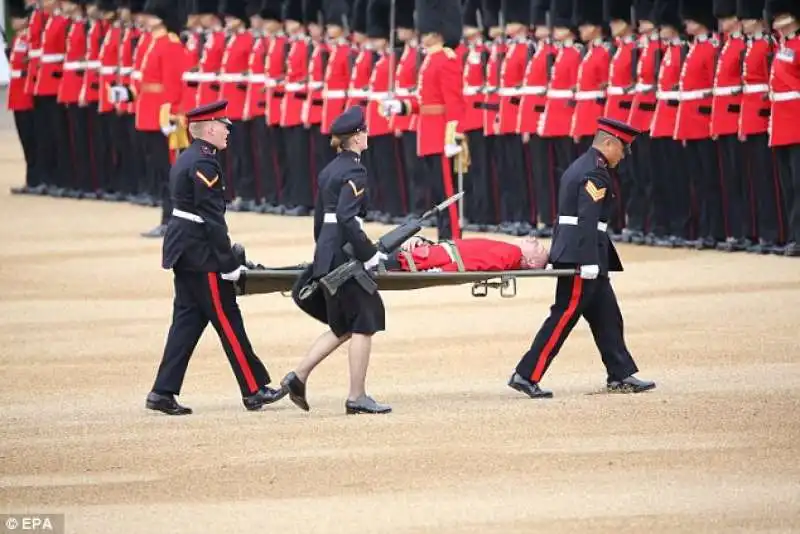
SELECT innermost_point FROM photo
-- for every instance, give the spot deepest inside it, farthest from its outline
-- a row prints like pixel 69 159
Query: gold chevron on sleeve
pixel 356 190
pixel 209 183
pixel 597 193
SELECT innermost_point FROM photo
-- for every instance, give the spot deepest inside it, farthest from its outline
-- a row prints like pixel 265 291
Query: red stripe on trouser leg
pixel 447 178
pixel 574 299
pixel 227 330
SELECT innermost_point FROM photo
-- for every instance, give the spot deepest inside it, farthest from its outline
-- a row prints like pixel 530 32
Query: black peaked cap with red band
pixel 618 129
pixel 214 111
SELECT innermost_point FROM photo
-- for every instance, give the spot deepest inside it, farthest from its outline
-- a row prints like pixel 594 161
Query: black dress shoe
pixel 629 385
pixel 792 250
pixel 166 404
pixel 365 404
pixel 265 395
pixel 158 231
pixel 296 389
pixel 527 387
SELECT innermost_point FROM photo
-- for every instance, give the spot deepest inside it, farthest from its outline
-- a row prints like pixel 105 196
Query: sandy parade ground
pixel 85 308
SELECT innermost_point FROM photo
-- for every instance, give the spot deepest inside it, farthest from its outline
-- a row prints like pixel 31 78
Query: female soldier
pixel 352 313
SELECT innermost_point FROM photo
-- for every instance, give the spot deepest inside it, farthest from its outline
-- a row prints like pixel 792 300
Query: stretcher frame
pixel 282 279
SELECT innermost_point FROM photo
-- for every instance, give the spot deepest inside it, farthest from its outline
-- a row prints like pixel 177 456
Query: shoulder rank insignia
pixel 356 191
pixel 209 183
pixel 597 193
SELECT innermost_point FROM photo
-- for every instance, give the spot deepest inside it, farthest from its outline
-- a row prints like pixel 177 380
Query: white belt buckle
pixel 187 216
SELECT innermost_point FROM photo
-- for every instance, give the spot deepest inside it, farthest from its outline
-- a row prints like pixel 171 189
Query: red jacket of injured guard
pixel 476 254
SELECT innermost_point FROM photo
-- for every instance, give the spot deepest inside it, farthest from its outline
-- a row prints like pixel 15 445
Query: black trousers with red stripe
pixel 200 298
pixel 595 301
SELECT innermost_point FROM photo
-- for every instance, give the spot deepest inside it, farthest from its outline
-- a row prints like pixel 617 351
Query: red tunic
pixel 17 98
pixel 54 46
pixel 667 94
pixel 91 80
pixel 784 83
pixel 491 98
pixel 697 80
pixel 727 101
pixel 644 100
pixel 130 37
pixel 162 69
pixel 69 91
pixel 256 90
pixel 511 77
pixel 312 107
pixel 473 84
pixel 377 124
pixel 109 62
pixel 191 83
pixel 405 80
pixel 590 90
pixel 621 81
pixel 35 31
pixel 296 81
pixel 337 78
pixel 233 74
pixel 358 90
pixel 556 121
pixel 476 254
pixel 534 88
pixel 208 90
pixel 754 118
pixel 275 68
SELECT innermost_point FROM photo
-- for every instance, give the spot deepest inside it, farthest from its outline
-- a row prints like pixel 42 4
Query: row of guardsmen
pixel 97 87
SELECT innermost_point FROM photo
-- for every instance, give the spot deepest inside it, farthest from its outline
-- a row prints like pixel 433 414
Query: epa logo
pixel 29 524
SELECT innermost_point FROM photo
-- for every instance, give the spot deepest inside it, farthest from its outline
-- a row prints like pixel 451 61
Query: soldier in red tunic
pixel 233 79
pixel 650 54
pixel 532 105
pixel 19 102
pixel 784 134
pixel 725 110
pixel 670 186
pixel 693 125
pixel 439 104
pixel 753 124
pixel 208 89
pixel 106 149
pixel 490 103
pixel 274 70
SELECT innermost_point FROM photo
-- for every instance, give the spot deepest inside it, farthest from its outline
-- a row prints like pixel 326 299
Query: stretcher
pixel 267 280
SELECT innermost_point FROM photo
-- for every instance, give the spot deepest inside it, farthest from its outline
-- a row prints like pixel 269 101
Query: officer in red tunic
pixel 19 102
pixel 784 134
pixel 275 68
pixel 725 110
pixel 672 201
pixel 650 54
pixel 517 211
pixel 753 124
pixel 693 125
pixel 439 104
pixel 233 78
pixel 532 105
pixel 581 241
pixel 478 200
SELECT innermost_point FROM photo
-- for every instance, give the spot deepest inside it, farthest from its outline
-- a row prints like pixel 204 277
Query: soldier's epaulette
pixel 449 52
pixel 174 37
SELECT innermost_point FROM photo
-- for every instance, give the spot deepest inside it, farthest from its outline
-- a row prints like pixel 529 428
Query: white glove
pixel 391 106
pixel 589 272
pixel 166 130
pixel 118 94
pixel 375 260
pixel 451 150
pixel 234 275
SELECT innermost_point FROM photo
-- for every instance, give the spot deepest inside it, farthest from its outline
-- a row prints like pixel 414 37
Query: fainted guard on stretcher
pixel 419 254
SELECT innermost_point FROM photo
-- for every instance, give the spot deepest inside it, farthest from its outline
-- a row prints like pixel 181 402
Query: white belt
pixel 570 220
pixel 533 90
pixel 755 88
pixel 93 64
pixel 508 91
pixel 108 70
pixel 668 95
pixel 330 218
pixel 589 95
pixel 643 87
pixel 783 97
pixel 74 65
pixel 727 91
pixel 378 95
pixel 35 53
pixel 125 70
pixel 489 88
pixel 270 82
pixel 470 90
pixel 232 77
pixel 559 93
pixel 206 76
pixel 615 91
pixel 16 74
pixel 334 94
pixel 695 95
pixel 189 76
pixel 257 78
pixel 187 216
pixel 52 58
pixel 402 91
pixel 294 87
pixel 315 85
pixel 136 75
pixel 359 93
